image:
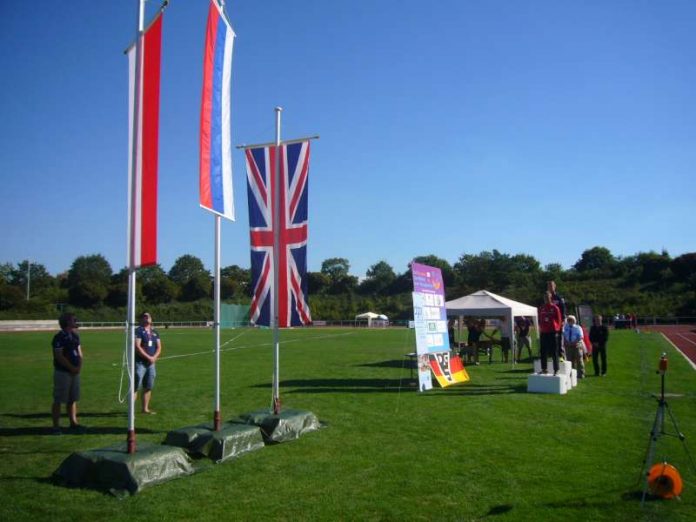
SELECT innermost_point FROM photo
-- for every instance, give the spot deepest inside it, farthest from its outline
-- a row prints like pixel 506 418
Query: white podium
pixel 566 373
pixel 548 383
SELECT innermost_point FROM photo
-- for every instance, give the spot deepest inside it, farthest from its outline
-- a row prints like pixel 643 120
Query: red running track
pixel 683 337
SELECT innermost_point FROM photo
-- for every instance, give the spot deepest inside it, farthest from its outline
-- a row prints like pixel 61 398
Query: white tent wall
pixel 487 304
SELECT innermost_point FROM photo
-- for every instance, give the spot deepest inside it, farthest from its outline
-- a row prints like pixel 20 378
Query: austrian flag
pixel 143 113
pixel 287 230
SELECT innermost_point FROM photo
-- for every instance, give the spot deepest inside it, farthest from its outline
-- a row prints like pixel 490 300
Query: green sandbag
pixel 113 469
pixel 282 427
pixel 233 439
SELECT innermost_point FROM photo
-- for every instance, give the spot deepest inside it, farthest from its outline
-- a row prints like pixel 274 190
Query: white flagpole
pixel 130 439
pixel 216 413
pixel 276 268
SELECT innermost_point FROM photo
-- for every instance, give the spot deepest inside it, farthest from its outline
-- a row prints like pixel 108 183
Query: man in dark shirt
pixel 599 335
pixel 67 364
pixel 147 350
pixel 522 326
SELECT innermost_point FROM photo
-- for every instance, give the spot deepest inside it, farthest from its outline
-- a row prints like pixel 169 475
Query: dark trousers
pixel 549 346
pixel 599 351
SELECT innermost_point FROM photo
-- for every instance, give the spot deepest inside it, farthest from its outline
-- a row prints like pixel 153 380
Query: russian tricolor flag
pixel 215 139
pixel 143 114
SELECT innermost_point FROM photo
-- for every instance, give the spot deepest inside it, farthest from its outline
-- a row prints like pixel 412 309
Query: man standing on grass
pixel 147 350
pixel 599 335
pixel 549 326
pixel 67 364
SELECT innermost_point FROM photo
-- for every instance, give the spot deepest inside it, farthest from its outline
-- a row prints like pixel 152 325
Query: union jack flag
pixel 293 162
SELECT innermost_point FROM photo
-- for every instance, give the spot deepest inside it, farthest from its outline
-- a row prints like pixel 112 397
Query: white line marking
pixel 686 338
pixel 693 365
pixel 251 345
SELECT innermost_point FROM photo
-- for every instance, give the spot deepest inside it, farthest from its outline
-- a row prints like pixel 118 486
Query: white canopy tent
pixel 370 316
pixel 487 304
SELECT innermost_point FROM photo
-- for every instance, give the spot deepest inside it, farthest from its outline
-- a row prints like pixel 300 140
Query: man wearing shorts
pixel 147 350
pixel 67 364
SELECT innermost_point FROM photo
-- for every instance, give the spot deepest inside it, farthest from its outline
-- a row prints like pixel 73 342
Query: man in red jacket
pixel 550 322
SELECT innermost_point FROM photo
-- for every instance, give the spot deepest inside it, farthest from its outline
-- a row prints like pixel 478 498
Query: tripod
pixel 658 429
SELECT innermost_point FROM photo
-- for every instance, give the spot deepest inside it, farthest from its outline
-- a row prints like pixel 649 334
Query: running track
pixel 683 337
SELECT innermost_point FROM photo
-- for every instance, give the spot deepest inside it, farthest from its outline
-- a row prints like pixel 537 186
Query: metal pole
pixel 28 277
pixel 216 412
pixel 130 438
pixel 276 269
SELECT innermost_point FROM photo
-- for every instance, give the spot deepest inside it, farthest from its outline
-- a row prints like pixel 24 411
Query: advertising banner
pixel 430 319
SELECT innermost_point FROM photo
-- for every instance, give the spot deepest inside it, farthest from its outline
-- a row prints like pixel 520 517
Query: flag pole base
pixel 130 442
pixel 276 406
pixel 216 420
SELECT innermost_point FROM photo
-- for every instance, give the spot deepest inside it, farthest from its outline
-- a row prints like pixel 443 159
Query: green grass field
pixel 485 450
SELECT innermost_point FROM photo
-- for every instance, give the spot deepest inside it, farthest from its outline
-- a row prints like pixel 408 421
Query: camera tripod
pixel 658 429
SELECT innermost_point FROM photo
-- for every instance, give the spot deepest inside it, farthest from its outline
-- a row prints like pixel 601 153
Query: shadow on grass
pixel 391 386
pixel 394 363
pixel 97 430
pixel 342 385
pixel 587 500
pixel 47 415
pixel 497 510
pixel 480 389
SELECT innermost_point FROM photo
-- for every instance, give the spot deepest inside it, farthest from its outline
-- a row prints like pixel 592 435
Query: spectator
pixel 575 346
pixel 522 326
pixel 599 335
pixel 67 365
pixel 473 337
pixel 148 348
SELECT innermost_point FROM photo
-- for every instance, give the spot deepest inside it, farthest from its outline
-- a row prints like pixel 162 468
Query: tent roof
pixel 367 315
pixel 486 304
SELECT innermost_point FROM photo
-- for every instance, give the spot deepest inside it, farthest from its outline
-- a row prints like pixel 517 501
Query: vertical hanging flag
pixel 143 113
pixel 293 161
pixel 215 142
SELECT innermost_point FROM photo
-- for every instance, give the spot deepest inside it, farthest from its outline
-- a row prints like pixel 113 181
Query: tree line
pixel 647 283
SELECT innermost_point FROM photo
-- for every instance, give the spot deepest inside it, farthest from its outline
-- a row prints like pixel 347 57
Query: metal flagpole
pixel 216 413
pixel 130 438
pixel 276 268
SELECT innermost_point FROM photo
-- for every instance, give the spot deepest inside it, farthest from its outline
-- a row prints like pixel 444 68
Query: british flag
pixel 293 163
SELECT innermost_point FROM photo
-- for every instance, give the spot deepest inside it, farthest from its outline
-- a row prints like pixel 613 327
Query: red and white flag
pixel 143 118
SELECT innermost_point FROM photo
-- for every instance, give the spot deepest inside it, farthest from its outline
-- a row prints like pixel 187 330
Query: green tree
pixel 235 282
pixel 596 259
pixel 337 270
pixel 157 288
pixel 185 268
pixel 88 280
pixel 197 287
pixel 317 283
pixel 380 277
pixel 191 277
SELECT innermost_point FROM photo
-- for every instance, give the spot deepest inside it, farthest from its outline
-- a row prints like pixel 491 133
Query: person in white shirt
pixel 575 346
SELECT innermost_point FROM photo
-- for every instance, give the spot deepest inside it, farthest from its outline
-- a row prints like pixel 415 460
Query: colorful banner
pixel 430 319
pixel 448 369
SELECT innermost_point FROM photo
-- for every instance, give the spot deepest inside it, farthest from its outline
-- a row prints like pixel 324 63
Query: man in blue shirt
pixel 67 364
pixel 147 350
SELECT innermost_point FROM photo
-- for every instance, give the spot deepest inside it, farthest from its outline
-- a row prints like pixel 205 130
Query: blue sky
pixel 450 127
